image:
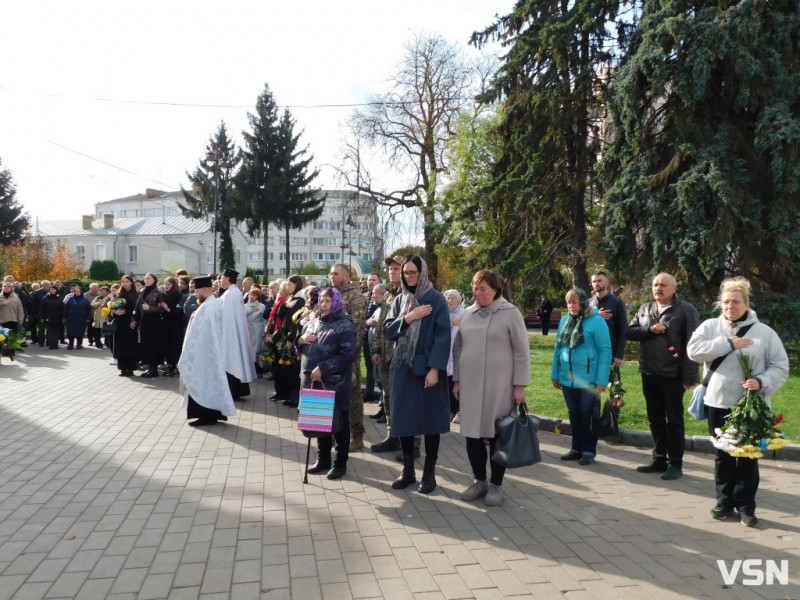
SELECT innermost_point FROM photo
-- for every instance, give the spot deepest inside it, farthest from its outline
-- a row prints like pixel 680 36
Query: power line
pixel 108 164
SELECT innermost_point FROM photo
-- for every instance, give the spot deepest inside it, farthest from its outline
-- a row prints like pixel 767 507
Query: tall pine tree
pixel 210 184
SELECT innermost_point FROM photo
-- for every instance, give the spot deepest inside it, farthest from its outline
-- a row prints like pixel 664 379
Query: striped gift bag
pixel 316 411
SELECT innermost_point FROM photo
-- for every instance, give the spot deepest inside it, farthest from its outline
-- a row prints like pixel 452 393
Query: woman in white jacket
pixel 737 478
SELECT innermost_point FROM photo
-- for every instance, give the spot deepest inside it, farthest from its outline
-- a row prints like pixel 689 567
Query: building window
pixel 133 254
pixel 255 256
pixel 100 251
pixel 209 254
pixel 299 241
pixel 153 212
pixel 80 254
pixel 129 213
pixel 327 256
pixel 238 256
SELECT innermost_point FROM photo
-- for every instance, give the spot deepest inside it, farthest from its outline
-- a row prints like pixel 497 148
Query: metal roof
pixel 157 226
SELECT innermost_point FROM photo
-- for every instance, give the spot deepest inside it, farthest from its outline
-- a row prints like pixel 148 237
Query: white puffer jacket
pixel 767 357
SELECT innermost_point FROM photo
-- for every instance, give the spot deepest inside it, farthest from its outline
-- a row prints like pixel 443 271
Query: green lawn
pixel 545 400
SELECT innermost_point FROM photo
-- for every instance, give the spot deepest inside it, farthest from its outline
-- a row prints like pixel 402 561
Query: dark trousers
pixel 664 398
pixel 37 330
pixel 477 455
pixel 580 404
pixel 736 479
pixel 95 336
pixel 198 411
pixel 325 444
pixel 455 405
pixel 53 335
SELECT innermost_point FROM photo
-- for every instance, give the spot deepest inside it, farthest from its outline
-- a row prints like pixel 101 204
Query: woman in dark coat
pixel 329 346
pixel 77 312
pixel 126 337
pixel 173 324
pixel 51 315
pixel 419 323
pixel 287 377
pixel 149 318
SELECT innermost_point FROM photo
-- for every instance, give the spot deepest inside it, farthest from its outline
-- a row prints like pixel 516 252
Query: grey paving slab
pixel 105 492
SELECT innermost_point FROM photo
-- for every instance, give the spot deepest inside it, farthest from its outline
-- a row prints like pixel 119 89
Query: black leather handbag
pixel 517 442
pixel 109 327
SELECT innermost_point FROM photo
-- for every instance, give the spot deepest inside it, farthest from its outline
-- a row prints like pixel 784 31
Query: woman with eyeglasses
pixel 419 324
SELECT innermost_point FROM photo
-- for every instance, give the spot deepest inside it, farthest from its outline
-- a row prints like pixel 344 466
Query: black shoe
pixel 79 347
pixel 378 415
pixel 721 513
pixel 319 467
pixel 381 421
pixel 149 375
pixel 655 466
pixel 427 486
pixel 123 373
pixel 390 444
pixel 405 480
pixel 336 472
pixel 748 519
pixel 69 347
pixel 53 347
pixel 571 455
pixel 202 422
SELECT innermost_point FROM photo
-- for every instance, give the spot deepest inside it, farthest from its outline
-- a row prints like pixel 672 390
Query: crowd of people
pixel 430 359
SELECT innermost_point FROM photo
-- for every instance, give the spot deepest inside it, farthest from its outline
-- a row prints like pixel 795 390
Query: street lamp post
pixel 219 166
pixel 349 224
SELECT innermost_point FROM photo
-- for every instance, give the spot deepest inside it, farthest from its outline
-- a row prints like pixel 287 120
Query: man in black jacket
pixel 614 311
pixel 663 328
pixel 37 328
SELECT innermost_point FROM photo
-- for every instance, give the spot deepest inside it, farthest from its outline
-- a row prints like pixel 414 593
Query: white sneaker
pixel 494 497
pixel 456 419
pixel 477 490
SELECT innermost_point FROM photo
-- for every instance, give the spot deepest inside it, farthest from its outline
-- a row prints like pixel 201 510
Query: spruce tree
pixel 551 86
pixel 13 221
pixel 704 172
pixel 273 181
pixel 208 181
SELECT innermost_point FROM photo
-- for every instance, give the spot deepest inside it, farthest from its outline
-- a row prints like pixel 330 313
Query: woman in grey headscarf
pixel 419 323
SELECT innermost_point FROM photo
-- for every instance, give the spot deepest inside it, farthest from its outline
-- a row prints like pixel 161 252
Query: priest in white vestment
pixel 204 383
pixel 237 354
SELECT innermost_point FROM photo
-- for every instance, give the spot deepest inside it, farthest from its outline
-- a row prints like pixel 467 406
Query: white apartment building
pixel 147 232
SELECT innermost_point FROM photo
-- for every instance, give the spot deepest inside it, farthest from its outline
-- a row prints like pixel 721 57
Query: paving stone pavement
pixel 105 492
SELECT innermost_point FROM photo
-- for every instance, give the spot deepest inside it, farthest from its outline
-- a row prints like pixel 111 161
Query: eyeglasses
pixel 410 273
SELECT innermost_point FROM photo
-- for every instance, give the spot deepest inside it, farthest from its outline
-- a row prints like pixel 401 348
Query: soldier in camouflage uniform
pixel 382 353
pixel 356 306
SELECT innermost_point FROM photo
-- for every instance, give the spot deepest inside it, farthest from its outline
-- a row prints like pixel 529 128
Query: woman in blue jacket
pixel 581 363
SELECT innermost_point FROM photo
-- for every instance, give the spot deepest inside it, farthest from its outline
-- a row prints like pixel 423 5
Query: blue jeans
pixel 580 403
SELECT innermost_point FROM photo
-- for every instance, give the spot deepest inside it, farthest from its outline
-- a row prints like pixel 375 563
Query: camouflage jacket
pixel 356 306
pixel 383 346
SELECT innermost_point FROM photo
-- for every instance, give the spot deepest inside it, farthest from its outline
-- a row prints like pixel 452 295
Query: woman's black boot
pixel 408 477
pixel 428 483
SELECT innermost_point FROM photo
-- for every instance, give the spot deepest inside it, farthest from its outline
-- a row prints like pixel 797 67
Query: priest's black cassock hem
pixel 198 411
pixel 238 389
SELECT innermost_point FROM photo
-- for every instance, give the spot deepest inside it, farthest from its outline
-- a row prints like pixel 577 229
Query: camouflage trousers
pixel 357 402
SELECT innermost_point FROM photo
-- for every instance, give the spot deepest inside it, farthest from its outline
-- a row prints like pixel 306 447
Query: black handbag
pixel 605 420
pixel 109 327
pixel 517 443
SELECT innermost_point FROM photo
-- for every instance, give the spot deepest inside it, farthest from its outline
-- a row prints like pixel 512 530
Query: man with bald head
pixel 663 328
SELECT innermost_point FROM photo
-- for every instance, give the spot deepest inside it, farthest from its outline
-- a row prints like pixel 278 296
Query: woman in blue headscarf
pixel 330 349
pixel 581 363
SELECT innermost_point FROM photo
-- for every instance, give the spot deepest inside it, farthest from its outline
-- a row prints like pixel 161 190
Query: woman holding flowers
pixel 126 336
pixel 757 368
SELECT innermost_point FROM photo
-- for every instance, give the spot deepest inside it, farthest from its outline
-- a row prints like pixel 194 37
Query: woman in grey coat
pixel 737 478
pixel 491 368
pixel 419 324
